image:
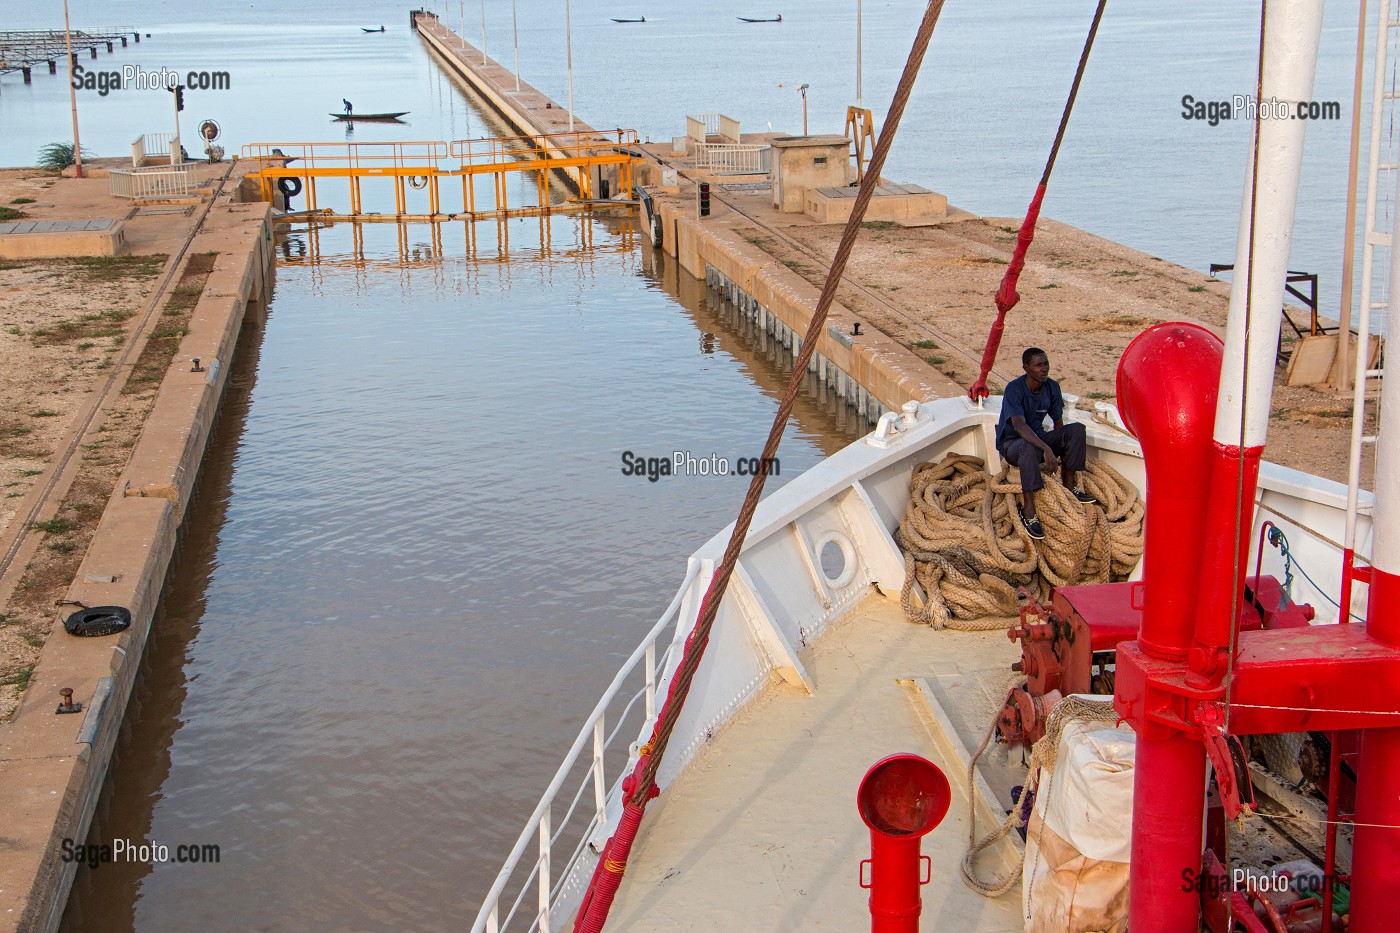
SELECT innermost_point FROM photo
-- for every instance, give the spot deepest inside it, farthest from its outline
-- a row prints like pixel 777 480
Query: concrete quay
pixel 52 767
pixel 872 372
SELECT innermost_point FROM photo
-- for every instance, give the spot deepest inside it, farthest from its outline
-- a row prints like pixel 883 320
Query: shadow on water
pixel 823 417
pixel 104 899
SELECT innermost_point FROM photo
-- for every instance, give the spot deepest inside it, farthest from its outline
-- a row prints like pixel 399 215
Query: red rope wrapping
pixel 640 785
pixel 1007 296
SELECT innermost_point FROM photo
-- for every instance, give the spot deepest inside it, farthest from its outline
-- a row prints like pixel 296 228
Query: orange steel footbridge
pixel 593 164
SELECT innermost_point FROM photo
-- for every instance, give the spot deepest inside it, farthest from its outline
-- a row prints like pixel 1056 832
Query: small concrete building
pixel 801 163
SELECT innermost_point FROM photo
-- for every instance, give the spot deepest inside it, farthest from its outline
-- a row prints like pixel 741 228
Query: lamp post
pixel 569 60
pixel 802 89
pixel 483 32
pixel 859 19
pixel 515 30
pixel 72 96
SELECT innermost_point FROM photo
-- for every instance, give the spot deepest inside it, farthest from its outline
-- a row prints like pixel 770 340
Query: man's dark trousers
pixel 1069 444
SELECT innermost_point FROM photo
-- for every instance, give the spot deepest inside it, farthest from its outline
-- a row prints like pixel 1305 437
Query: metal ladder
pixel 1380 198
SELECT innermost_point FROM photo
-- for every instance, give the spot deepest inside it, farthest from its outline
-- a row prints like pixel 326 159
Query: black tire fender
pixel 98 620
pixel 291 187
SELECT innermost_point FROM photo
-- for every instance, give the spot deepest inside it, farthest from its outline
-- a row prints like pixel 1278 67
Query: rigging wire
pixel 640 785
pixel 1244 406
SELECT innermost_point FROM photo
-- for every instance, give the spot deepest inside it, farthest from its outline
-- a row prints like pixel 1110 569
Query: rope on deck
pixel 965 546
pixel 1070 709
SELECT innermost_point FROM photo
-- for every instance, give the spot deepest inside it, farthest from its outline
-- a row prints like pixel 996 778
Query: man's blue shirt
pixel 1033 406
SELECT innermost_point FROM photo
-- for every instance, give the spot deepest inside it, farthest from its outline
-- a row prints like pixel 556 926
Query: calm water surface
pixel 412 566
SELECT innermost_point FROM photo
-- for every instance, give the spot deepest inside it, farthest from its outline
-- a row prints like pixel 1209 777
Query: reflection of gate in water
pixel 486 239
pixel 592 165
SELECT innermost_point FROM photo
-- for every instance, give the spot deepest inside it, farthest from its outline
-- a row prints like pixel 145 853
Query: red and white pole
pixel 1170 773
pixel 1376 849
pixel 1243 406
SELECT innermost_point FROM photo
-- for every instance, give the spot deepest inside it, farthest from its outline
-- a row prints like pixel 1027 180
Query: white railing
pixel 729 129
pixel 151 144
pixel 157 181
pixel 697 127
pixel 701 126
pixel 540 825
pixel 730 159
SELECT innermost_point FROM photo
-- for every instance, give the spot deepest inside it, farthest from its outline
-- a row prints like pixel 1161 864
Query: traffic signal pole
pixel 175 147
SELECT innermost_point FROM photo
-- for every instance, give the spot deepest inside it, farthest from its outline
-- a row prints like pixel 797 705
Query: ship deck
pixel 762 831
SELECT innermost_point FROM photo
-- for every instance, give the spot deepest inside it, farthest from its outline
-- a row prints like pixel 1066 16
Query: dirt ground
pixel 1082 299
pixel 63 323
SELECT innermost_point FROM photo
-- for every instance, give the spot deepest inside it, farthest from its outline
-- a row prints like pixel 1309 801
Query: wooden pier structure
pixel 22 49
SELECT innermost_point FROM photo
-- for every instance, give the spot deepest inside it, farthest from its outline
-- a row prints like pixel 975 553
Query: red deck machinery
pixel 1068 646
pixel 1192 673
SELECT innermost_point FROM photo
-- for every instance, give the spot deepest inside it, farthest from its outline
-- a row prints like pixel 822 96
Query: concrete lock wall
pixel 872 372
pixel 59 763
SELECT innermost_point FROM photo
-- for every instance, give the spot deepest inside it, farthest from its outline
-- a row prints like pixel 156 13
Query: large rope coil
pixel 965 547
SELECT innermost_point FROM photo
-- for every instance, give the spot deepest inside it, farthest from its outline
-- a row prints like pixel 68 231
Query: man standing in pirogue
pixel 1023 441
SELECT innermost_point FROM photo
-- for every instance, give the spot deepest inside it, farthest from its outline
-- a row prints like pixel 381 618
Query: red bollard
pixel 901 799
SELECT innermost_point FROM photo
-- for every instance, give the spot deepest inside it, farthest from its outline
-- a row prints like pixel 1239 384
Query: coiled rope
pixel 965 547
pixel 1070 709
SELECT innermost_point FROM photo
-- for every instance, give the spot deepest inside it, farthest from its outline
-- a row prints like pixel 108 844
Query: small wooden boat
pixel 640 19
pixel 380 29
pixel 369 117
pixel 776 19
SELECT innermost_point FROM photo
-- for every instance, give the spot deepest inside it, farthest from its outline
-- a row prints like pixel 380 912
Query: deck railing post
pixel 544 871
pixel 600 790
pixel 651 680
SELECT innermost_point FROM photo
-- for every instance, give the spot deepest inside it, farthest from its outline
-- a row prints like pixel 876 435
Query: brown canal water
pixel 413 563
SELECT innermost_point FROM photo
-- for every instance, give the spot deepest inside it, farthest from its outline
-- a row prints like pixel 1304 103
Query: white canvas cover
pixel 1080 833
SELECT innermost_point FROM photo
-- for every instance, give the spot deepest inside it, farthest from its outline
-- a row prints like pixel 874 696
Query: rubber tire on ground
pixel 98 620
pixel 291 187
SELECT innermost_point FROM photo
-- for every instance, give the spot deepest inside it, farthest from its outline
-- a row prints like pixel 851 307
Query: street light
pixel 569 59
pixel 72 95
pixel 859 18
pixel 515 31
pixel 802 88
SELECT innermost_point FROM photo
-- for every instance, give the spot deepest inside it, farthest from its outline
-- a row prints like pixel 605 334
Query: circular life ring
pixel 98 620
pixel 291 187
pixel 418 181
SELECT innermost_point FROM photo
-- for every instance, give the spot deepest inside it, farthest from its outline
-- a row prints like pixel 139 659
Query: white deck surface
pixel 762 832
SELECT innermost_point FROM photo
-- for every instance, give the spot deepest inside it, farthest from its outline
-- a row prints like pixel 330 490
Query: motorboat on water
pixel 1239 623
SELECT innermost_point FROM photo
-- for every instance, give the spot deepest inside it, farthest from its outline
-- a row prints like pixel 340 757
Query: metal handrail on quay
pixel 153 182
pixel 732 159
